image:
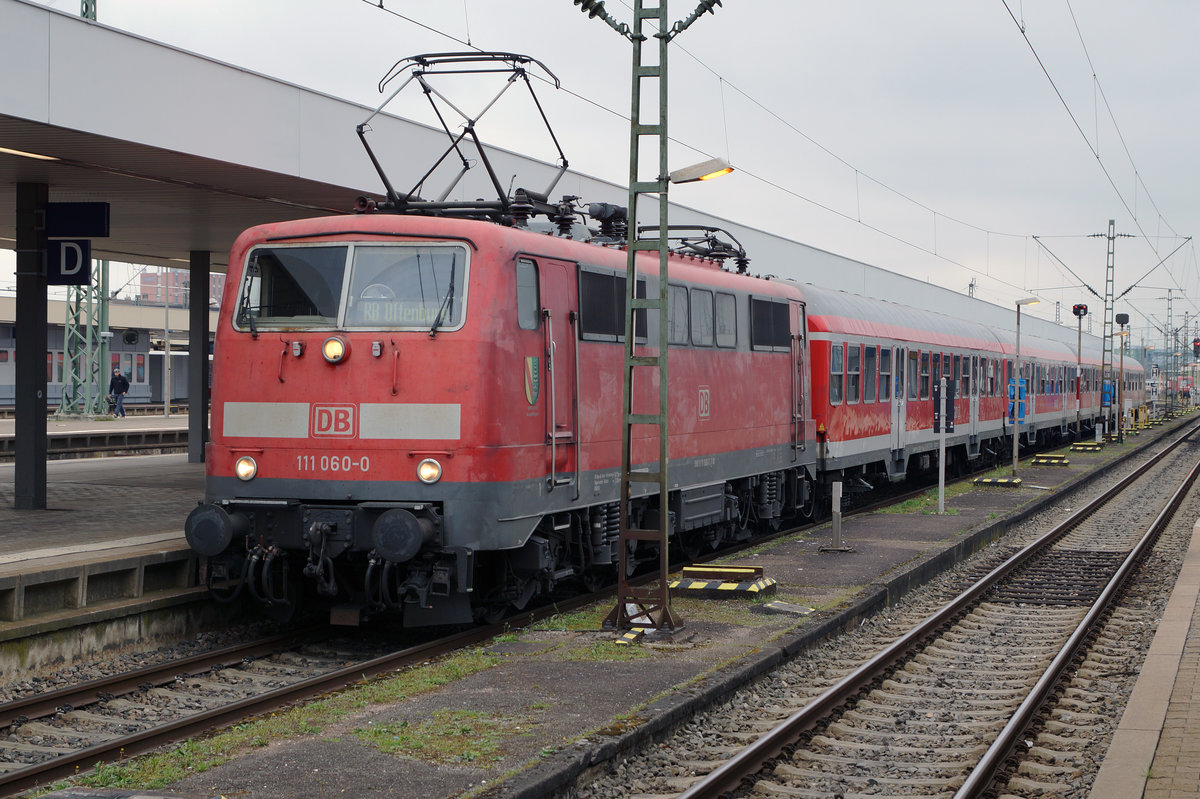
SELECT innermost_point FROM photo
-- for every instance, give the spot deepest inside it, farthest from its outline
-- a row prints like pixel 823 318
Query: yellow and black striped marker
pixel 1087 447
pixel 1009 482
pixel 722 582
pixel 631 637
pixel 1050 460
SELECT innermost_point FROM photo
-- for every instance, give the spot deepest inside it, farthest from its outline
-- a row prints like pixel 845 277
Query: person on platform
pixel 117 388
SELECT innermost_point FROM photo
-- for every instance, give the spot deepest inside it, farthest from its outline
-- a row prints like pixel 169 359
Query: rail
pixel 774 744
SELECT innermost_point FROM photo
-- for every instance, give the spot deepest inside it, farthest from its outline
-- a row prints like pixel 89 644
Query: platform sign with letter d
pixel 68 262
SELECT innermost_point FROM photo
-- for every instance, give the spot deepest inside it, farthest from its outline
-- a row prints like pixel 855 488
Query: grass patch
pixel 606 652
pixel 589 619
pixel 927 502
pixel 447 736
pixel 198 755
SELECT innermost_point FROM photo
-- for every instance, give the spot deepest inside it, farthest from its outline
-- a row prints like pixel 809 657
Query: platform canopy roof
pixel 188 151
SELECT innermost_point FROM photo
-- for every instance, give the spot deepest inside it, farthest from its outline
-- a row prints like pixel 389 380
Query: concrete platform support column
pixel 198 271
pixel 29 477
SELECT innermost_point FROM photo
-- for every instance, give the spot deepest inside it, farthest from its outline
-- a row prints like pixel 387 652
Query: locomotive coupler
pixel 319 567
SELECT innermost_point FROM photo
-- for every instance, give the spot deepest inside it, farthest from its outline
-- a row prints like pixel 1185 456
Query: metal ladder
pixel 645 606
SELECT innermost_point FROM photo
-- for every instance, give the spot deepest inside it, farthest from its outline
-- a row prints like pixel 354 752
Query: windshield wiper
pixel 244 311
pixel 437 322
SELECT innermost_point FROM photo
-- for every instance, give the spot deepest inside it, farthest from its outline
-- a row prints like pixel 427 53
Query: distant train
pixel 423 415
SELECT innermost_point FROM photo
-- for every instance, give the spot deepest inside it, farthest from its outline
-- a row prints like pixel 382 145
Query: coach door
pixel 978 380
pixel 560 319
pixel 799 389
pixel 899 398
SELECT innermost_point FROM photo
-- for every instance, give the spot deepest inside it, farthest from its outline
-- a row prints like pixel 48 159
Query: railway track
pixel 53 735
pixel 50 736
pixel 999 687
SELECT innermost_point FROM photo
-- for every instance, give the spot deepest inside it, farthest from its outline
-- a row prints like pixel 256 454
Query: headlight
pixel 245 468
pixel 429 471
pixel 335 349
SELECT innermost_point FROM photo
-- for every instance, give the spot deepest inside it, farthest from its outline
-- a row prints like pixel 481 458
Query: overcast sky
pixel 923 137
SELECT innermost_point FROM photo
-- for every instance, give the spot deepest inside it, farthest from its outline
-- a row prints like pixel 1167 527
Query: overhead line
pixel 379 4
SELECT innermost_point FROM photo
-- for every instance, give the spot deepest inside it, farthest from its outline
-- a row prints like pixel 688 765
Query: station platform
pixel 65 436
pixel 1155 753
pixel 130 510
pixel 110 538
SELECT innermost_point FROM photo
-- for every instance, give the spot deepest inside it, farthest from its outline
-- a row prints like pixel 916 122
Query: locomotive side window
pixel 602 306
pixel 853 372
pixel 869 374
pixel 885 374
pixel 836 372
pixel 677 315
pixel 702 318
pixel 726 320
pixel 528 306
pixel 285 286
pixel 770 328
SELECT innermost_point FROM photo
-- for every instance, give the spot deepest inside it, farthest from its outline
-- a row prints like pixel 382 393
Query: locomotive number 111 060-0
pixel 332 463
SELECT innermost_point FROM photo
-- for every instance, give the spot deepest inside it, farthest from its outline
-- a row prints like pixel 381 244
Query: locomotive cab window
pixel 291 286
pixel 404 285
pixel 387 287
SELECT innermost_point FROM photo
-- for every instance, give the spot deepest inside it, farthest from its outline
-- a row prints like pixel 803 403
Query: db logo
pixel 705 402
pixel 334 420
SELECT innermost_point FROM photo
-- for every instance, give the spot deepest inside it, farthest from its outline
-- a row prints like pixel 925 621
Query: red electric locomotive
pixel 424 413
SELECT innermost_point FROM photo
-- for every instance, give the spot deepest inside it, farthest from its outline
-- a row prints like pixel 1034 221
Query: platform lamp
pixel 1017 384
pixel 1121 319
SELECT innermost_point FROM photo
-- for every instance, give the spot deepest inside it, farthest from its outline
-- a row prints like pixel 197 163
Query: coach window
pixel 913 384
pixel 937 367
pixel 925 375
pixel 836 373
pixel 726 320
pixel 885 374
pixel 956 375
pixel 702 318
pixel 869 375
pixel 527 295
pixel 853 372
pixel 677 315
